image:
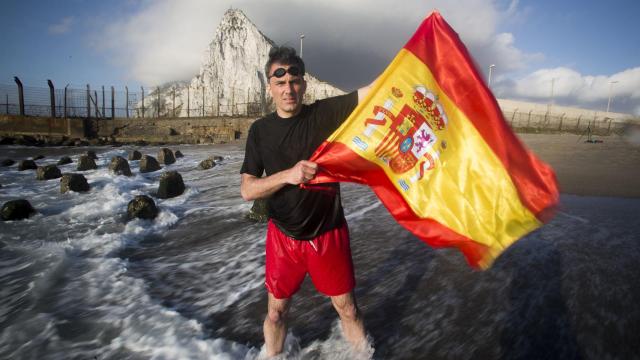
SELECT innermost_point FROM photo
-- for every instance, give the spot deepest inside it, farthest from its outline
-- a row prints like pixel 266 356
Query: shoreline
pixel 609 167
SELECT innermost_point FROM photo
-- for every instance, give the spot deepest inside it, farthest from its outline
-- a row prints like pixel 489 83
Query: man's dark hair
pixel 284 55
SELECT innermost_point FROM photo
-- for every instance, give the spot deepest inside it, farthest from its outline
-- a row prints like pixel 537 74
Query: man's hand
pixel 302 172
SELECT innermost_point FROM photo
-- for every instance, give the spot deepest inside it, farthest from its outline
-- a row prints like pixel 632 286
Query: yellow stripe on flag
pixel 463 185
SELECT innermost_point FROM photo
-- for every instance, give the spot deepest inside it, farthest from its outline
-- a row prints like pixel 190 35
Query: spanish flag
pixel 432 143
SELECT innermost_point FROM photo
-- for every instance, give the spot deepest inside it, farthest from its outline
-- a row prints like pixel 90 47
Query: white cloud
pixel 572 88
pixel 163 42
pixel 165 39
pixel 62 27
pixel 349 42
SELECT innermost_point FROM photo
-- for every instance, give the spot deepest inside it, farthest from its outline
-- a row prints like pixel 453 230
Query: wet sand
pixel 607 168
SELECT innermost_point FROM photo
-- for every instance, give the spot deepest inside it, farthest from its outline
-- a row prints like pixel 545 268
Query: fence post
pixel 188 100
pixel 529 119
pixel 95 94
pixel 113 103
pixel 20 94
pixel 174 102
pixel 578 123
pixel 202 99
pixel 142 101
pixel 52 96
pixel 104 113
pixel 66 114
pixel 126 95
pixel 158 104
pixel 88 102
pixel 561 117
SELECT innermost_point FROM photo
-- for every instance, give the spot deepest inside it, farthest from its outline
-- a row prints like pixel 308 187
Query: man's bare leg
pixel 275 326
pixel 350 319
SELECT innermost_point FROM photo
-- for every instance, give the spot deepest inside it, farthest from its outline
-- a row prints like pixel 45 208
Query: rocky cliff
pixel 231 80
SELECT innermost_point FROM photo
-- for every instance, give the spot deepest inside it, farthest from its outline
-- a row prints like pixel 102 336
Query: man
pixel 307 231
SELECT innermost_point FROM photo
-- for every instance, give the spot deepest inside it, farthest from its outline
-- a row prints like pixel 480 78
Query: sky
pixel 582 52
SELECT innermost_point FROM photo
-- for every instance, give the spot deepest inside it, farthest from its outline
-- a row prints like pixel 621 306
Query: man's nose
pixel 290 88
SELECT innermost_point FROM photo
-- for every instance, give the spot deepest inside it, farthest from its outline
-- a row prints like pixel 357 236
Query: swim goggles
pixel 279 72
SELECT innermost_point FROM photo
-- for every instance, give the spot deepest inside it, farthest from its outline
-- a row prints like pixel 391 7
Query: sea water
pixel 80 281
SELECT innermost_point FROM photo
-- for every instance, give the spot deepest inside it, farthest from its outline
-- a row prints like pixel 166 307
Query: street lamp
pixel 301 37
pixel 490 72
pixel 553 82
pixel 609 102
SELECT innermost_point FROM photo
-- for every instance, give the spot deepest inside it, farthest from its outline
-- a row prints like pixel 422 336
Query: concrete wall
pixel 11 125
pixel 184 130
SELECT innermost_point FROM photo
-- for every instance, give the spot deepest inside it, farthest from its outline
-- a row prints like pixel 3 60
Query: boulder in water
pixel 119 166
pixel 92 154
pixel 258 212
pixel 7 162
pixel 178 154
pixel 165 156
pixel 171 185
pixel 135 155
pixel 27 165
pixel 38 157
pixel 149 164
pixel 16 210
pixel 65 160
pixel 7 140
pixel 26 140
pixel 48 172
pixel 206 164
pixel 142 207
pixel 86 163
pixel 73 182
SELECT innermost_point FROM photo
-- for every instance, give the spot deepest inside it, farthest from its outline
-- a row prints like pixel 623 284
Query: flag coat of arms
pixel 432 143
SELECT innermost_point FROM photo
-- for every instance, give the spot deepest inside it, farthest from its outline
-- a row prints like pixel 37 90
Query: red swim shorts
pixel 327 259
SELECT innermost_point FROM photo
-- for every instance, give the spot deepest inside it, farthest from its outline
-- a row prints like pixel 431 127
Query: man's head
pixel 285 75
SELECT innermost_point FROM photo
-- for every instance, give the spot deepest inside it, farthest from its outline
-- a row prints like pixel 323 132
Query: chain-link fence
pixel 561 122
pixel 169 101
pixel 107 102
pixel 186 101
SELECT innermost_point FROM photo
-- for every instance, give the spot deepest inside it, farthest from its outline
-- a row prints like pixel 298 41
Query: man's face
pixel 287 91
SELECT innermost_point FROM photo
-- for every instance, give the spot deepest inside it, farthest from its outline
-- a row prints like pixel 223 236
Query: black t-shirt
pixel 275 144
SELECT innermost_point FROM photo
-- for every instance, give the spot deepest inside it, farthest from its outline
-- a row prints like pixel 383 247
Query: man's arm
pixel 253 187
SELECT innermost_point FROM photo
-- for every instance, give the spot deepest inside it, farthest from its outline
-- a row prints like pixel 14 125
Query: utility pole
pixel 553 82
pixel 609 102
pixel 490 72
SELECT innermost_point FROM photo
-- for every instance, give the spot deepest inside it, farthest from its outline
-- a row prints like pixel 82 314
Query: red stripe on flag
pixel 360 170
pixel 438 46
